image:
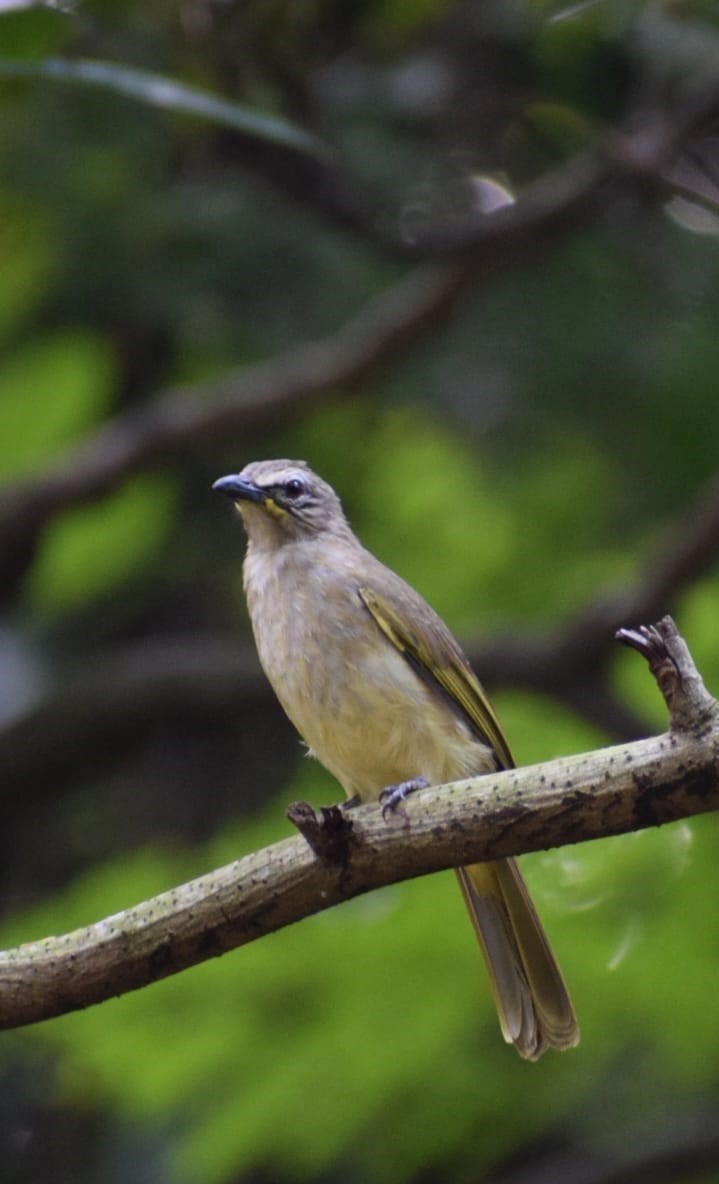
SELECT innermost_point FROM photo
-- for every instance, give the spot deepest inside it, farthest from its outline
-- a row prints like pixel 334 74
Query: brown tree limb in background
pixel 607 792
pixel 100 712
pixel 639 159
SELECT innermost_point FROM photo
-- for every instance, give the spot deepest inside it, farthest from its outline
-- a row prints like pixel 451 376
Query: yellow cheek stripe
pixel 273 509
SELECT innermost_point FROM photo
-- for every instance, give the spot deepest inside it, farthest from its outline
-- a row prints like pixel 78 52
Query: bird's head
pixel 283 500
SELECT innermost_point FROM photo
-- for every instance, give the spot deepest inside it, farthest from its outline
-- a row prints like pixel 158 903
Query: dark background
pixel 519 410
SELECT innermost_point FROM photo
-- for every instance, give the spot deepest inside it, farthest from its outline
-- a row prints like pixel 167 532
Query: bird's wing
pixel 437 659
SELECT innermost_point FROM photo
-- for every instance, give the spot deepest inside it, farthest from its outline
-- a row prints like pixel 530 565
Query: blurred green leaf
pixel 389 21
pixel 51 391
pixel 429 511
pixel 28 261
pixel 155 90
pixel 34 31
pixel 88 551
pixel 479 542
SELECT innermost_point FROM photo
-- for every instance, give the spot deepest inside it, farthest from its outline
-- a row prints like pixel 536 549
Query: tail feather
pixel 533 1005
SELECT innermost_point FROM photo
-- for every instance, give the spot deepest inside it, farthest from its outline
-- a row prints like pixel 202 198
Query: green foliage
pixel 387 23
pixel 27 253
pixel 33 33
pixel 61 386
pixel 91 551
pixel 584 60
pixel 416 480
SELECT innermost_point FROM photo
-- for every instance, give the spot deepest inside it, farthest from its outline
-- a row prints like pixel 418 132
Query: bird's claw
pixel 391 797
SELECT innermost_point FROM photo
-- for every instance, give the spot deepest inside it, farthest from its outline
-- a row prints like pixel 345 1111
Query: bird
pixel 382 694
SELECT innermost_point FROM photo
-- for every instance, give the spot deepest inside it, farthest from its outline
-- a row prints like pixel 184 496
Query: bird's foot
pixel 391 797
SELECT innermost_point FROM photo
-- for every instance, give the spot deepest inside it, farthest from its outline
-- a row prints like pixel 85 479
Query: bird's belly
pixel 355 700
pixel 372 722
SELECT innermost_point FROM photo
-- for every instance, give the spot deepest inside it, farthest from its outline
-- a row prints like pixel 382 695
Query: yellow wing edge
pixel 446 669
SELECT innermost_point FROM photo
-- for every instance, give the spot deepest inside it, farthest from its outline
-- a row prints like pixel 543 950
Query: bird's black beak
pixel 239 490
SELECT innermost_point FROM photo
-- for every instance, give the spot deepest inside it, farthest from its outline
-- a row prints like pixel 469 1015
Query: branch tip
pixel 689 703
pixel 326 833
pixel 649 640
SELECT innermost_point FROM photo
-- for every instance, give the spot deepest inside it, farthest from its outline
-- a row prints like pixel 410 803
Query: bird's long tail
pixel 534 1008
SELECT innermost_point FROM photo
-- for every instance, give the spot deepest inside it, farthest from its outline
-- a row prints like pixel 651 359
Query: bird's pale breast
pixel 354 699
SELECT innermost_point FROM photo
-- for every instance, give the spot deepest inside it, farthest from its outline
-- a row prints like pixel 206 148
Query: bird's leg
pixel 392 795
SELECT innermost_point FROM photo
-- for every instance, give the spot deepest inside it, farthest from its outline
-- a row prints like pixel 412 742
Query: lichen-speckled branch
pixel 589 796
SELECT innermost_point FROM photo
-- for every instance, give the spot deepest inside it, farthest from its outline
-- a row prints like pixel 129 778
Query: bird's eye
pixel 294 487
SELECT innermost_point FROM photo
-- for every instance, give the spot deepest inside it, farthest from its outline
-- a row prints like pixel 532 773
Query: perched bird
pixel 379 689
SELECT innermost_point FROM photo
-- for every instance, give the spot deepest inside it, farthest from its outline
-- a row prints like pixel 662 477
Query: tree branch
pixel 614 790
pixel 103 712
